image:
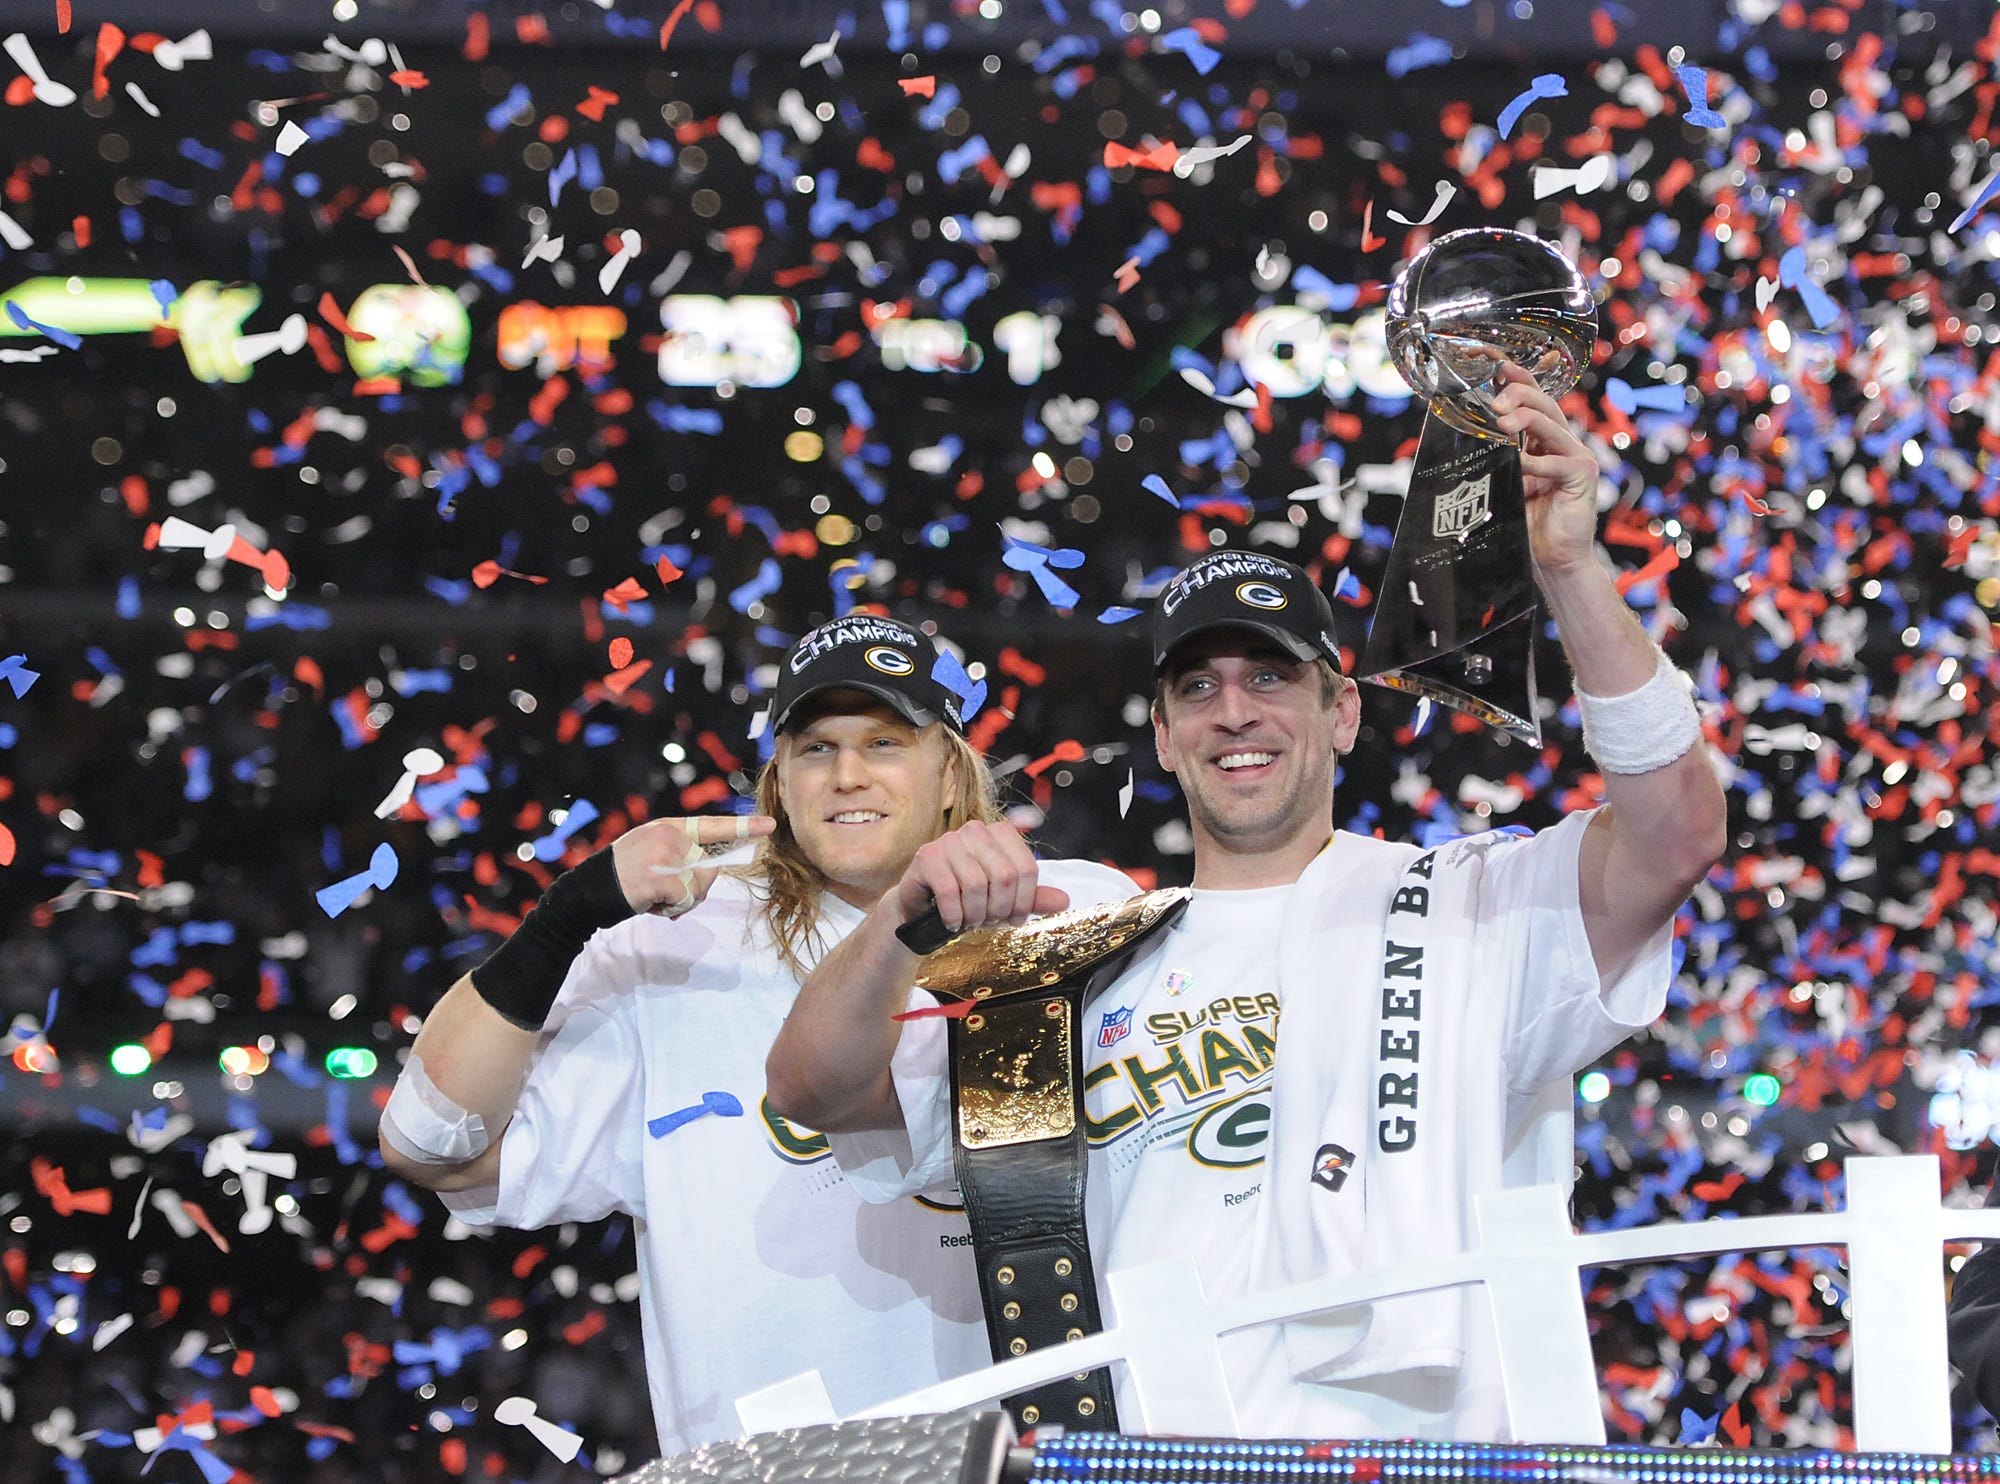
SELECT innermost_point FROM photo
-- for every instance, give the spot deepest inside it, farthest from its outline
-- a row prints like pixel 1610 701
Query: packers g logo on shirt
pixel 889 661
pixel 1232 1135
pixel 1261 595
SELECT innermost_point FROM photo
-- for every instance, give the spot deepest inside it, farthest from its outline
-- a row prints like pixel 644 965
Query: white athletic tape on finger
pixel 701 860
pixel 422 1124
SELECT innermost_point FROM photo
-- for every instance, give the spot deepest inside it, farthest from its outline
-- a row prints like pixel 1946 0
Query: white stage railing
pixel 1166 1331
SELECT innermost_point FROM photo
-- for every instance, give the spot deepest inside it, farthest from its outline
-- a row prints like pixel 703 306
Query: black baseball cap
pixel 1245 590
pixel 864 652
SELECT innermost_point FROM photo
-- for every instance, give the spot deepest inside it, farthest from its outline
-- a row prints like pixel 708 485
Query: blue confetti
pixel 1547 85
pixel 721 1104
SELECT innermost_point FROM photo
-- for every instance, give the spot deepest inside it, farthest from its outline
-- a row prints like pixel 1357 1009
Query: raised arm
pixel 829 1067
pixel 465 1073
pixel 1667 824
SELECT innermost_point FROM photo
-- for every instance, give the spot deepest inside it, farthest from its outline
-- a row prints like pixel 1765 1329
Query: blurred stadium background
pixel 339 421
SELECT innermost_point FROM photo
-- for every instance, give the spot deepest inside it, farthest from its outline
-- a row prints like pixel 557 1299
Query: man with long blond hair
pixel 609 1056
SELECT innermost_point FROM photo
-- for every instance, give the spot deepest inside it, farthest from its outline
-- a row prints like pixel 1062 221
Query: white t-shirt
pixel 757 1260
pixel 1177 1093
pixel 1180 1051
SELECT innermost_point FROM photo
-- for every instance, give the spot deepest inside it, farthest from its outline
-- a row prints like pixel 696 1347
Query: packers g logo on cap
pixel 1261 595
pixel 889 661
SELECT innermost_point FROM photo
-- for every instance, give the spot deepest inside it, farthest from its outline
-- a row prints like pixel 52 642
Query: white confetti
pixel 1125 795
pixel 14 234
pixel 194 47
pixel 170 1206
pixel 418 763
pixel 1590 176
pixel 1193 159
pixel 802 121
pixel 821 52
pixel 543 250
pixel 1246 397
pixel 519 1411
pixel 47 89
pixel 290 138
pixel 1445 191
pixel 289 338
pixel 139 97
pixel 628 249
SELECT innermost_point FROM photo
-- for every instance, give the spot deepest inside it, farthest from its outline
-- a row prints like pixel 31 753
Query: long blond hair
pixel 788 885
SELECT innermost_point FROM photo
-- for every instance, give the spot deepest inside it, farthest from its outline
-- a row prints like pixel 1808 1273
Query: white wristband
pixel 1643 730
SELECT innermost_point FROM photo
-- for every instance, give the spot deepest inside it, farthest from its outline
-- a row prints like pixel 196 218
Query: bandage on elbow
pixel 423 1125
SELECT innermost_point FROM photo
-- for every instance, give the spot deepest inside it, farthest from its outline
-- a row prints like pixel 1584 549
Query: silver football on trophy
pixel 1476 298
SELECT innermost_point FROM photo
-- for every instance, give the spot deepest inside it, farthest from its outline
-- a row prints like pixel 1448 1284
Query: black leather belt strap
pixel 1020 1133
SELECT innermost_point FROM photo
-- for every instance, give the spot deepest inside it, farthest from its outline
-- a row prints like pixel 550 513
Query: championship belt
pixel 1018 1127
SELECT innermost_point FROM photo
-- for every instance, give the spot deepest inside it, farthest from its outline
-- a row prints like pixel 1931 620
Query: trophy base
pixel 1455 619
pixel 1503 658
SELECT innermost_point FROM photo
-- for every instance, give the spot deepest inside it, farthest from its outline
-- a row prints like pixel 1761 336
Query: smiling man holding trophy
pixel 1435 1003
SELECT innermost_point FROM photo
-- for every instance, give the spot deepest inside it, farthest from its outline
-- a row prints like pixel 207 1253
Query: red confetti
pixel 409 77
pixel 51 1183
pixel 1734 1427
pixel 330 312
pixel 673 20
pixel 623 679
pixel 918 87
pixel 621 652
pixel 1023 669
pixel 110 41
pixel 956 1010
pixel 1160 157
pixel 489 572
pixel 593 107
pixel 1067 751
pixel 62 17
pixel 628 591
pixel 6 846
pixel 1369 241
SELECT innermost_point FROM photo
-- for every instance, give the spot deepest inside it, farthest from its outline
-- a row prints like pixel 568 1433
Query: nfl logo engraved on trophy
pixel 1461 511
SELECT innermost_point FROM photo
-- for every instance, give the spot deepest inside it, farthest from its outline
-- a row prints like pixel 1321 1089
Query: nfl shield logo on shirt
pixel 1115 1027
pixel 1463 508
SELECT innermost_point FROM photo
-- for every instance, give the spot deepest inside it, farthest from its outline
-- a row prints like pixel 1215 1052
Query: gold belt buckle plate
pixel 1014 1072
